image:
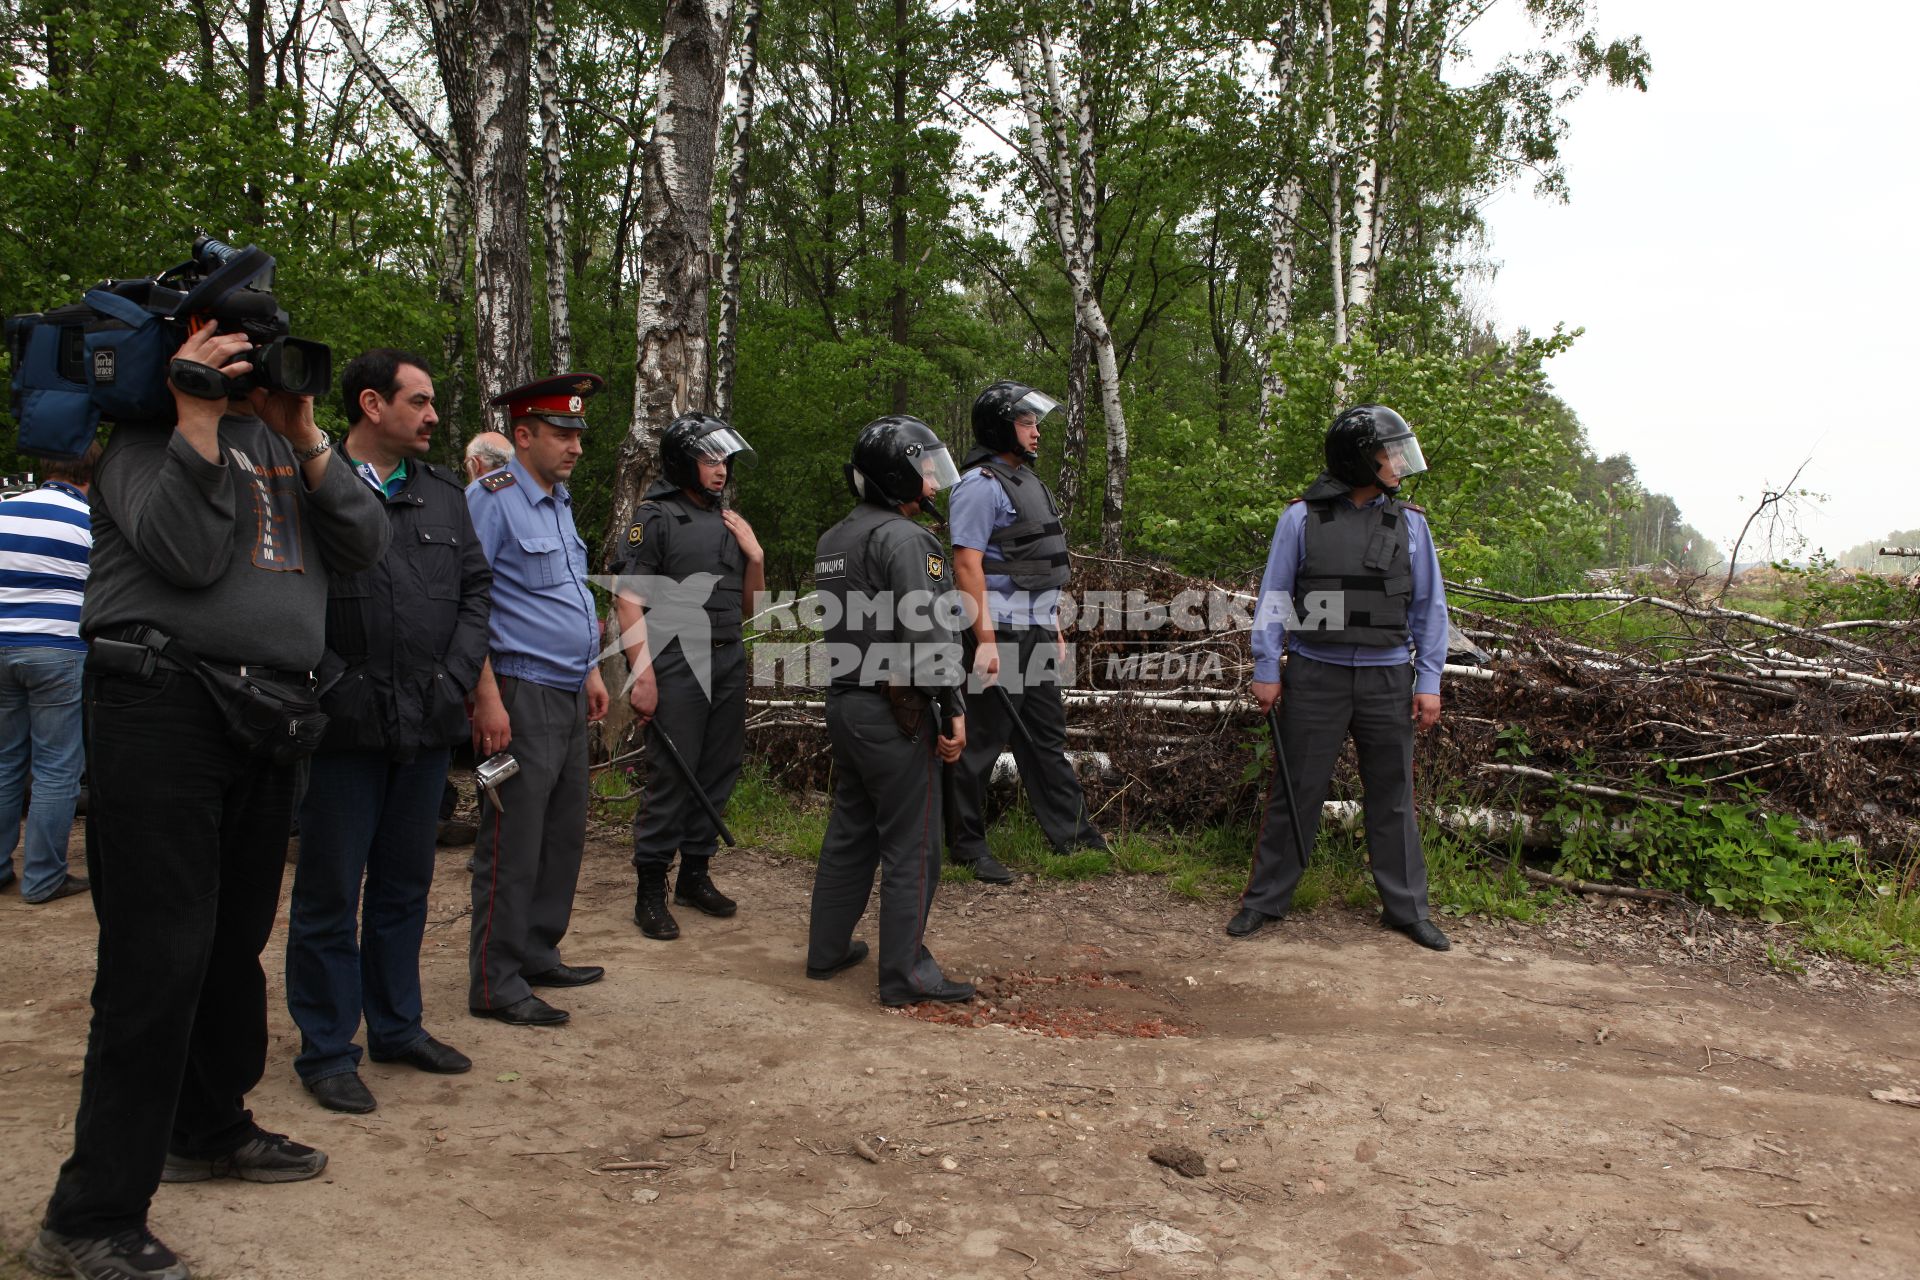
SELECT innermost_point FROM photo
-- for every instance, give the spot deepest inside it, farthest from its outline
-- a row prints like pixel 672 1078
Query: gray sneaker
pixel 265 1157
pixel 130 1255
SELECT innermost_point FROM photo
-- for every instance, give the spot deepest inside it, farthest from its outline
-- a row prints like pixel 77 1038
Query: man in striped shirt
pixel 45 541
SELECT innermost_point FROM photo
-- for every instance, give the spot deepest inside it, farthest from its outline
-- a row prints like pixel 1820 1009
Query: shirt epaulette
pixel 497 481
pixel 1411 506
pixel 1295 501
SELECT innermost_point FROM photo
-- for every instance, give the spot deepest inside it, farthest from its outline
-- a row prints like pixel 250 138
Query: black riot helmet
pixel 995 410
pixel 693 436
pixel 1363 431
pixel 891 460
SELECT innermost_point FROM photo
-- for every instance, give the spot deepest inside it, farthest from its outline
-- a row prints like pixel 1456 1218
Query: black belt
pixel 158 641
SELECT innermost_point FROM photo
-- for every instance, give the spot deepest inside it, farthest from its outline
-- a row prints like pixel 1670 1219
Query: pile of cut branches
pixel 1822 718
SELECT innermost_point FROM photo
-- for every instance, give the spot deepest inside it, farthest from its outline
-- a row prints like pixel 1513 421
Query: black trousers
pixel 1320 705
pixel 886 814
pixel 186 843
pixel 1053 789
pixel 711 736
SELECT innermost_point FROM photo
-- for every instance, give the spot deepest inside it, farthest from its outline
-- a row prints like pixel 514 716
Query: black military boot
pixel 696 889
pixel 650 906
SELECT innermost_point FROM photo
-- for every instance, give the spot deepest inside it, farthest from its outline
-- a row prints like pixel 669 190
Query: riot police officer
pixel 894 711
pixel 1010 556
pixel 684 567
pixel 1368 667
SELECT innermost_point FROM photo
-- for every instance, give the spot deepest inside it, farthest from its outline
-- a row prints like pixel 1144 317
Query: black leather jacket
pixel 405 638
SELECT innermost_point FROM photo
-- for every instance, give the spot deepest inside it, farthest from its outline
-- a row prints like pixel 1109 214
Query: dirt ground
pixel 1599 1096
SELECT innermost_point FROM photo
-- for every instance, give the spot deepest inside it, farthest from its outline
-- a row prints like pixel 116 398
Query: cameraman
pixel 218 534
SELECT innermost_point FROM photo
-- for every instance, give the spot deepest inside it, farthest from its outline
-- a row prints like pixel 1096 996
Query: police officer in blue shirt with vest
pixel 1353 589
pixel 538 691
pixel 1010 557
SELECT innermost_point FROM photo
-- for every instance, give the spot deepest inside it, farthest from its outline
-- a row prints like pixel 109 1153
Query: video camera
pixel 109 355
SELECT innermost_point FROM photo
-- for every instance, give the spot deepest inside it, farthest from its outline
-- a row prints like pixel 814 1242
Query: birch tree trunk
pixel 676 202
pixel 499 38
pixel 1065 170
pixel 728 337
pixel 1366 177
pixel 553 185
pixel 1283 224
pixel 1336 215
pixel 1281 230
pixel 1073 445
pixel 453 267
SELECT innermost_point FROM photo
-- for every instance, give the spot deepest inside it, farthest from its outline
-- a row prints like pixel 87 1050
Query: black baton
pixel 1019 725
pixel 1286 780
pixel 693 784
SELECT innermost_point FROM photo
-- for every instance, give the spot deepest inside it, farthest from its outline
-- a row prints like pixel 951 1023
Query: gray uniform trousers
pixel 527 859
pixel 886 811
pixel 711 737
pixel 1320 705
pixel 1053 789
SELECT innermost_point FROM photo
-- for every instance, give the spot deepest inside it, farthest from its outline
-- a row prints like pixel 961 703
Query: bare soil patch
pixel 1608 1094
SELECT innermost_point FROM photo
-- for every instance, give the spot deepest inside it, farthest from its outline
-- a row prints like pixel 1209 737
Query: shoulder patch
pixel 936 566
pixel 497 481
pixel 636 534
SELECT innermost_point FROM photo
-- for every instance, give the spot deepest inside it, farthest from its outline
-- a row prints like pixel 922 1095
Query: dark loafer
pixel 265 1157
pixel 1249 922
pixel 530 1012
pixel 65 889
pixel 429 1054
pixel 986 868
pixel 344 1092
pixel 1424 932
pixel 856 952
pixel 947 992
pixel 567 975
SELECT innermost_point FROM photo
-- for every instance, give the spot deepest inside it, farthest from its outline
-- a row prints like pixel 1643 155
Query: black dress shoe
pixel 430 1055
pixel 1424 932
pixel 567 975
pixel 1249 922
pixel 530 1012
pixel 947 992
pixel 986 868
pixel 344 1092
pixel 856 952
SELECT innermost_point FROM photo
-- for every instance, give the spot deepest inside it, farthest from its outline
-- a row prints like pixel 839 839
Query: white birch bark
pixel 1336 228
pixel 727 338
pixel 503 273
pixel 1283 217
pixel 1366 176
pixel 1065 168
pixel 670 320
pixel 553 185
pixel 396 101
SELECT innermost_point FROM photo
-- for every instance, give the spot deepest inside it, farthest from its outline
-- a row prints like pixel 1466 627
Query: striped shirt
pixel 46 537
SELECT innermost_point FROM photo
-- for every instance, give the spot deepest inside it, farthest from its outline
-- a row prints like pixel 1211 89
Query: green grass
pixel 1874 923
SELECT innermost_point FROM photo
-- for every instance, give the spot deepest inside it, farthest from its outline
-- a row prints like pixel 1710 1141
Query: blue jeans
pixel 364 815
pixel 39 726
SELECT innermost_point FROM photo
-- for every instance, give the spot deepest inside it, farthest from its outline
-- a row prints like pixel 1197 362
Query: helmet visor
pixel 937 463
pixel 1404 456
pixel 1037 403
pixel 720 444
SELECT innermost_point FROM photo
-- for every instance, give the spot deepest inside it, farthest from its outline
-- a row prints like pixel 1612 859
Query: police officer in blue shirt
pixel 1353 588
pixel 537 693
pixel 1010 557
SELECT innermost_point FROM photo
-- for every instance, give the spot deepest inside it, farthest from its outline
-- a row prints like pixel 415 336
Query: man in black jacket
pixel 405 640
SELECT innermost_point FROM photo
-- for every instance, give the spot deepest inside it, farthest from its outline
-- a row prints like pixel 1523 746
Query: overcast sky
pixel 1736 249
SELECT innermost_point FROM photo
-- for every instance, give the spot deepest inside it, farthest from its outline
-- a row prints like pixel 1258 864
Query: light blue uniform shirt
pixel 1426 613
pixel 544 626
pixel 976 508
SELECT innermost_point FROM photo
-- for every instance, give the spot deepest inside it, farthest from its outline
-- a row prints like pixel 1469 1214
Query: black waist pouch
pixel 273 719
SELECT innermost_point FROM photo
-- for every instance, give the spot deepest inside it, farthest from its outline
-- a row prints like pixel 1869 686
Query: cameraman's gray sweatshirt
pixel 229 558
